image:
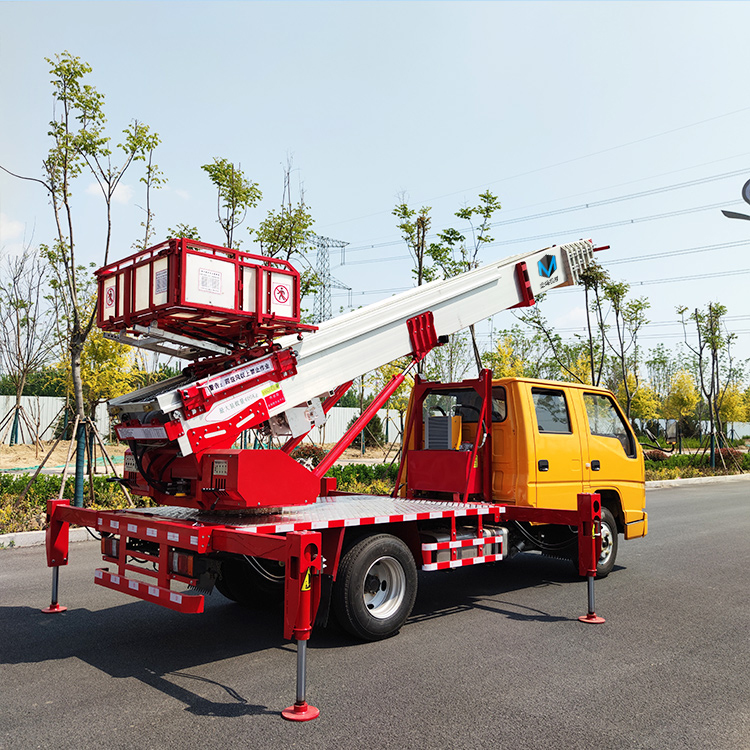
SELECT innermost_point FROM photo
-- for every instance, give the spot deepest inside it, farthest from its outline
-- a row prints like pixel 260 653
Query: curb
pixel 35 538
pixel 663 483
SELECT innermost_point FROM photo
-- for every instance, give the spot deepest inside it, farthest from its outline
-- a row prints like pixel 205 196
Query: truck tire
pixel 606 560
pixel 250 582
pixel 609 546
pixel 375 587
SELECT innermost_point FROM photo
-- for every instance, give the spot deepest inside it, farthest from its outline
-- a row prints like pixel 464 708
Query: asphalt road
pixel 493 656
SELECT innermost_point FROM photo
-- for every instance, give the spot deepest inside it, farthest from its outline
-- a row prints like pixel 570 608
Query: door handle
pixel 595 466
pixel 543 464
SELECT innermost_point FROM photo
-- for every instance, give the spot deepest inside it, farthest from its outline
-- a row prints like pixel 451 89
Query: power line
pixel 585 230
pixel 558 164
pixel 673 253
pixel 620 198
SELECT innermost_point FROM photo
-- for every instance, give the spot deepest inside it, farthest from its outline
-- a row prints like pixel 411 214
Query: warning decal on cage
pixel 109 297
pixel 209 281
pixel 160 281
pixel 281 294
pixel 306 584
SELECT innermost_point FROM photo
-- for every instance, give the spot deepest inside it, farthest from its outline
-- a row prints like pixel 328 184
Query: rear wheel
pixel 375 588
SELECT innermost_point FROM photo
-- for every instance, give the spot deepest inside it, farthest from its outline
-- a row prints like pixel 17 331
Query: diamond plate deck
pixel 327 512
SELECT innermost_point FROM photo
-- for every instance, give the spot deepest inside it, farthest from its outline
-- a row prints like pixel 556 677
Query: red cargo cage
pixel 202 291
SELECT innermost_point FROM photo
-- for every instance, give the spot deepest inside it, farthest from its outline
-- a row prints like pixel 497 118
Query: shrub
pixel 30 514
pixel 308 453
pixel 655 455
pixel 373 433
pixel 351 477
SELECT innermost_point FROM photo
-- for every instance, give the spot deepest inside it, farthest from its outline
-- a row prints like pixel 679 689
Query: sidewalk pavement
pixel 33 538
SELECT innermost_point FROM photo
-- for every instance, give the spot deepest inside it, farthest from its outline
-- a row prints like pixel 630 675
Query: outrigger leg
pixel 589 548
pixel 55 606
pixel 301 711
pixel 57 540
pixel 301 600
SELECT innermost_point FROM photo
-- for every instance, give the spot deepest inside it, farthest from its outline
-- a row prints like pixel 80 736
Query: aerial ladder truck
pixel 250 521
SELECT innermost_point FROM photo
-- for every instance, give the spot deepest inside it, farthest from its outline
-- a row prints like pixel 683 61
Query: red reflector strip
pixel 149 593
pixel 432 546
pixel 459 511
pixel 460 563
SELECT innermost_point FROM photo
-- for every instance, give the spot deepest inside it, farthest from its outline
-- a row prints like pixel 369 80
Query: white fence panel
pixel 43 412
pixel 339 418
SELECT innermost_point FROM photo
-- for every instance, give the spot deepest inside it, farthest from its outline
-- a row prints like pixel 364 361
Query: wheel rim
pixel 384 587
pixel 607 544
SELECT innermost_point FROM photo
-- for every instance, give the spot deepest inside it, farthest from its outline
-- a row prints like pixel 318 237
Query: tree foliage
pixel 235 195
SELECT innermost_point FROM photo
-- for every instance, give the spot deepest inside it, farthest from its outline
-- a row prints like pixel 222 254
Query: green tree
pixel 452 255
pixel 80 143
pixel 235 195
pixel 414 227
pixel 712 350
pixel 593 278
pixel 683 396
pixel 26 326
pixel 184 230
pixel 153 180
pixel 287 234
pixel 630 317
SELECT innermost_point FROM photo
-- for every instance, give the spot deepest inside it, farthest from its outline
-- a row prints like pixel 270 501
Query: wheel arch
pixel 611 500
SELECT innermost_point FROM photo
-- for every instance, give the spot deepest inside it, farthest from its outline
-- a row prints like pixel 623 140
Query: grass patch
pixel 30 514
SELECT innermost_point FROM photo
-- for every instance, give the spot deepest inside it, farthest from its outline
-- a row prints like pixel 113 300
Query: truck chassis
pixel 186 546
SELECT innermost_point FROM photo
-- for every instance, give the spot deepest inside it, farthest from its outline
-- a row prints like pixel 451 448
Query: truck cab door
pixel 613 461
pixel 557 453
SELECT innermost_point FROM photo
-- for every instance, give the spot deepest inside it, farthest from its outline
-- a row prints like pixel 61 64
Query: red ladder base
pixel 301 712
pixel 592 619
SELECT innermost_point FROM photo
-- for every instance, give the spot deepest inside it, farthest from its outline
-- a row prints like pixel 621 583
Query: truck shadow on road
pixel 165 650
pixel 480 588
pixel 155 646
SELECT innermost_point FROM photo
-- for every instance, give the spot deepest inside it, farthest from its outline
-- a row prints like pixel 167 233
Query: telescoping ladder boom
pixel 341 349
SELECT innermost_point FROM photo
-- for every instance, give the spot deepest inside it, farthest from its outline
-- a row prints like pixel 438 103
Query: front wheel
pixel 375 588
pixel 606 560
pixel 608 555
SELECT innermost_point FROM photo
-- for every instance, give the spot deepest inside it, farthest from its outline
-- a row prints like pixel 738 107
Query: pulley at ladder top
pixel 201 291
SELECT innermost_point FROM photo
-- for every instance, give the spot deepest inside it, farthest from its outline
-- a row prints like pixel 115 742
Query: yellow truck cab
pixel 519 441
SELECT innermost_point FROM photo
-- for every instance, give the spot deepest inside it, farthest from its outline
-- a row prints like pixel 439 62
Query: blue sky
pixel 549 105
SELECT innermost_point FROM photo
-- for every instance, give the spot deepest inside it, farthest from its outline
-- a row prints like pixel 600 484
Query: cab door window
pixel 605 421
pixel 551 411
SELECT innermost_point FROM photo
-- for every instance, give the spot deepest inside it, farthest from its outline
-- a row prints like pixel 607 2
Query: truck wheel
pixel 249 582
pixel 375 588
pixel 609 545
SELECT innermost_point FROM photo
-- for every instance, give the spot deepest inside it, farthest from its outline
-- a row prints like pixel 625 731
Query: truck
pixel 489 467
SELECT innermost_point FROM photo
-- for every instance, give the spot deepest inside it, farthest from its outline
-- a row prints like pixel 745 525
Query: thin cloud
pixel 10 229
pixel 123 193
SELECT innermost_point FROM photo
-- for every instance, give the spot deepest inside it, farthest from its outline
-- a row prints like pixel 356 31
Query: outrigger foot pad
pixel 54 608
pixel 592 618
pixel 301 712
